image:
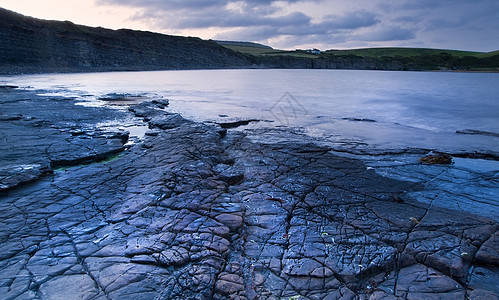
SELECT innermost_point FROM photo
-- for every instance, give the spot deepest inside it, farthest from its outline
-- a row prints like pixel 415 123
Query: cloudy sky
pixel 291 24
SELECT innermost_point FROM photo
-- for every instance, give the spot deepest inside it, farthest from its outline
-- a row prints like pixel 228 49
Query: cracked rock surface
pixel 41 133
pixel 199 212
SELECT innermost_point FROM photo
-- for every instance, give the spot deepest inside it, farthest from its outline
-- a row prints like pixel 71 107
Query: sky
pixel 292 24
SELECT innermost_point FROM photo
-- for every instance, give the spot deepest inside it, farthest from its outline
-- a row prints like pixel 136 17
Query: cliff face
pixel 29 45
pixel 33 45
pixel 289 62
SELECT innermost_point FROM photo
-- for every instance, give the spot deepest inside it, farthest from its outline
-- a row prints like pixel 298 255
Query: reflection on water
pixel 136 128
pixel 137 133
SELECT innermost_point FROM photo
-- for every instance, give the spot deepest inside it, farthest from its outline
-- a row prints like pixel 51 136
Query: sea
pixel 377 116
pixel 444 111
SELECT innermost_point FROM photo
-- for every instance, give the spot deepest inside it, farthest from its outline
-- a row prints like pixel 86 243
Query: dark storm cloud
pixel 457 24
pixel 301 27
pixel 463 24
pixel 218 13
pixel 203 14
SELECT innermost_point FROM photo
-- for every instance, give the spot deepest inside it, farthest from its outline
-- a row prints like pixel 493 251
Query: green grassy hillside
pixel 403 52
pixel 256 49
pixel 385 58
pixel 422 58
pixel 488 54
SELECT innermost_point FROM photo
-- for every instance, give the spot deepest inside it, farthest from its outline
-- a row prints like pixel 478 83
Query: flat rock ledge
pixel 199 212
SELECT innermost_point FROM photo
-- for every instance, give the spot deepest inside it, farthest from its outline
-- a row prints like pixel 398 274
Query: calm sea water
pixel 382 109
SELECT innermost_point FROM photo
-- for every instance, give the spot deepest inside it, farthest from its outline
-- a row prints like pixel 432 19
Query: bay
pixel 381 109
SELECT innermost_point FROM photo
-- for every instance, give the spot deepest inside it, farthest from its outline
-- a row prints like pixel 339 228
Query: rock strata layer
pixel 198 212
pixel 32 45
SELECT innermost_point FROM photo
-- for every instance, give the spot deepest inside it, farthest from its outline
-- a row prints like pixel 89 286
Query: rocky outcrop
pixel 41 134
pixel 33 45
pixel 195 211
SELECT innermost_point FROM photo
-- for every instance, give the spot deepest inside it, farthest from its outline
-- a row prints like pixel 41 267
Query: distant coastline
pixel 39 46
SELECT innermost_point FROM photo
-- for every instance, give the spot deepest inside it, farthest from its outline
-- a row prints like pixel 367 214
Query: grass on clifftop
pixel 407 58
pixel 268 51
pixel 363 52
pixel 402 52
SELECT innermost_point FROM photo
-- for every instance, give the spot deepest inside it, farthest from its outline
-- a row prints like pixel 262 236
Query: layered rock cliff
pixel 33 45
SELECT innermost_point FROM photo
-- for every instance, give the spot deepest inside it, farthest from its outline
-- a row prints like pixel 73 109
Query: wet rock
pixel 120 97
pixel 169 121
pixel 488 253
pixel 235 124
pixel 8 86
pixel 200 215
pixel 421 282
pixel 484 281
pixel 70 287
pixel 359 120
pixel 480 132
pixel 441 251
pixel 13 176
pixel 51 134
pixel 231 176
pixel 144 110
pixel 229 284
pixel 232 221
pixel 161 103
pixel 481 294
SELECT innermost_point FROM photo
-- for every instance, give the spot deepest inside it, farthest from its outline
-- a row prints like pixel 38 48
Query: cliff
pixel 32 45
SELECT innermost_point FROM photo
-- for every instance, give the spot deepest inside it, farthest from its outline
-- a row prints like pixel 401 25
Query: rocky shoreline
pixel 197 211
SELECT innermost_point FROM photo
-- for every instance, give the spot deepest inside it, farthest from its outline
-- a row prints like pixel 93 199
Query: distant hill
pixel 29 45
pixel 243 44
pixel 417 59
pixel 33 45
pixel 403 52
pixel 421 58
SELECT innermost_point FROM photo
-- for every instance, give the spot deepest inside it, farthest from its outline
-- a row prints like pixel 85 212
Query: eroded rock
pixel 200 215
